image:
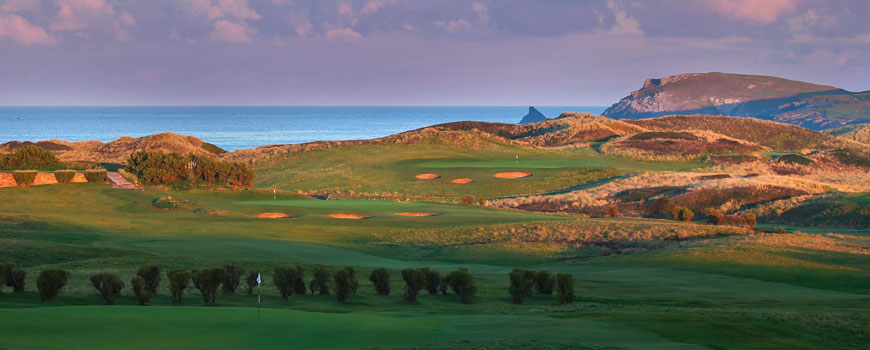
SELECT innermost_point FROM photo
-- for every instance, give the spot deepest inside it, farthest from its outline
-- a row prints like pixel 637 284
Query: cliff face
pixel 534 116
pixel 809 105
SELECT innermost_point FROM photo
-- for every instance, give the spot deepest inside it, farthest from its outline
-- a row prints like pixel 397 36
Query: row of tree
pixel 153 168
pixel 290 280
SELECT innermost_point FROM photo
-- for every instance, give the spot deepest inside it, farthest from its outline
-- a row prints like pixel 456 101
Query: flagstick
pixel 259 289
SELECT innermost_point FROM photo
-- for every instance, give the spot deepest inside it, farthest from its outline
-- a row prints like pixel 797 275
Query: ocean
pixel 234 128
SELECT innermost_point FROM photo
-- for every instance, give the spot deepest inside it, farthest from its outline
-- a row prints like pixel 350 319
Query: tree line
pixel 290 280
pixel 153 168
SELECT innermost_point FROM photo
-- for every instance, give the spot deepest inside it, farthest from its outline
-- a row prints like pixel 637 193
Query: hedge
pixel 64 176
pixel 97 176
pixel 24 177
pixel 31 157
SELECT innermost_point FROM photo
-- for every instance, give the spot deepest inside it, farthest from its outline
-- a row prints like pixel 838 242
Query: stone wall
pixel 7 180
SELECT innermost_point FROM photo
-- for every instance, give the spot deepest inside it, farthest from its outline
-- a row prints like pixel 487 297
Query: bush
pixel 208 281
pixel 354 283
pixel 341 283
pixel 151 275
pixel 108 285
pixel 683 214
pixel 31 157
pixel 287 279
pixel 715 216
pixel 481 201
pixel 320 283
pixel 467 199
pixel 381 279
pixel 64 176
pixel 24 177
pixel 233 278
pixel 734 220
pixel 545 281
pixel 750 220
pixel 12 277
pixel 612 211
pixel 142 295
pixel 414 282
pixel 178 281
pixel 462 283
pixel 521 284
pixel 565 288
pixel 444 285
pixel 433 279
pixel 49 283
pixel 251 281
pixel 167 168
pixel 96 175
pixel 794 159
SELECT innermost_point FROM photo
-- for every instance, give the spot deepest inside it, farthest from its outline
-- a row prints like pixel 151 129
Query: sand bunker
pixel 463 180
pixel 272 216
pixel 417 214
pixel 348 216
pixel 427 176
pixel 513 175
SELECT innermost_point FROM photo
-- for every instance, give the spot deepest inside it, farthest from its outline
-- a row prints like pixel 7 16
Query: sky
pixel 411 52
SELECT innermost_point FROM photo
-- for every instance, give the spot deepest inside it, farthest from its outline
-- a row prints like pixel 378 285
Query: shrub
pixel 715 216
pixel 341 283
pixel 108 285
pixel 462 283
pixel 444 285
pixel 233 278
pixel 31 157
pixel 414 282
pixel 172 203
pixel 178 281
pixel 12 277
pixel 780 230
pixel 49 283
pixel 381 279
pixel 481 201
pixel 750 220
pixel 299 283
pixel 683 214
pixel 151 274
pixel 794 159
pixel 208 281
pixel 96 175
pixel 287 280
pixel 142 295
pixel 612 211
pixel 251 281
pixel 467 199
pixel 521 284
pixel 433 278
pixel 565 288
pixel 354 283
pixel 320 283
pixel 64 176
pixel 24 177
pixel 545 281
pixel 166 168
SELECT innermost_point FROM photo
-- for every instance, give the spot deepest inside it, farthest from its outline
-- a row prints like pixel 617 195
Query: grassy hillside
pixel 858 133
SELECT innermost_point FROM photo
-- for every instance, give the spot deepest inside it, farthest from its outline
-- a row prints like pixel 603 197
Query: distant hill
pixel 533 116
pixel 119 150
pixel 804 104
pixel 857 133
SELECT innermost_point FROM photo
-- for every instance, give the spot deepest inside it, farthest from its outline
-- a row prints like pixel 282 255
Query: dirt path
pixel 119 181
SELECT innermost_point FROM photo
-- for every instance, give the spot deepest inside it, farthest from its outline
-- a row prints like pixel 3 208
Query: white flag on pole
pixel 258 279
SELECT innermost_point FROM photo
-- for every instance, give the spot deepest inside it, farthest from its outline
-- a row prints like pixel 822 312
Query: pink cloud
pixel 232 32
pixel 758 11
pixel 76 15
pixel 214 9
pixel 21 31
pixel 19 5
pixel 343 33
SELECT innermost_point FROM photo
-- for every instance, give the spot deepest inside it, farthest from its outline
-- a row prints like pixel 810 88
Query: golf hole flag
pixel 258 279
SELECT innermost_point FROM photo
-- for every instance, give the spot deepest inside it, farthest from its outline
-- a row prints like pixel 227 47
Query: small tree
pixel 13 277
pixel 178 281
pixel 208 281
pixel 233 278
pixel 545 281
pixel 151 275
pixel 139 285
pixel 285 278
pixel 467 199
pixel 683 214
pixel 715 216
pixel 414 282
pixel 612 211
pixel 320 283
pixel 299 281
pixel 342 285
pixel 462 283
pixel 354 283
pixel 565 288
pixel 108 285
pixel 49 283
pixel 444 285
pixel 521 284
pixel 433 279
pixel 251 281
pixel 750 220
pixel 380 277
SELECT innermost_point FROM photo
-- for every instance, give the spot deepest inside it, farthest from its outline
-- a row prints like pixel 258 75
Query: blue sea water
pixel 234 128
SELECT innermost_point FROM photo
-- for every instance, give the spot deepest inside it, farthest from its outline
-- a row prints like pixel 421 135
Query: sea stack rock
pixel 533 117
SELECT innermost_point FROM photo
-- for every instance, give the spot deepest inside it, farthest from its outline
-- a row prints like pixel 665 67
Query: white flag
pixel 258 279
